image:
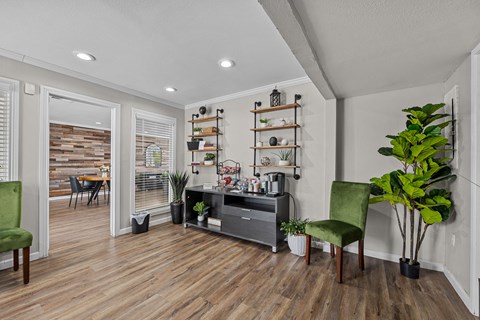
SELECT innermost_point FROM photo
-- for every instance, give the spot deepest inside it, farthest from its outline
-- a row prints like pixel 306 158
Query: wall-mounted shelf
pixel 293 126
pixel 216 149
pixel 289 146
pixel 278 108
pixel 287 126
pixel 202 135
pixel 205 119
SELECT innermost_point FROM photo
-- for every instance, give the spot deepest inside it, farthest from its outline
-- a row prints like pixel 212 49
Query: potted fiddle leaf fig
pixel 178 181
pixel 419 186
pixel 201 210
pixel 295 230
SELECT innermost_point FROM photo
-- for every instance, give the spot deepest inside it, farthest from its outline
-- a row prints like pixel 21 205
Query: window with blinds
pixel 154 158
pixel 8 129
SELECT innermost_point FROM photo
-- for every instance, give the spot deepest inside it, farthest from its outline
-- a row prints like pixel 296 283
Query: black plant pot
pixel 409 271
pixel 176 209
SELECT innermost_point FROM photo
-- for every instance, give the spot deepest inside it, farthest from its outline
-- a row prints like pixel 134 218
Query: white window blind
pixel 154 158
pixel 8 129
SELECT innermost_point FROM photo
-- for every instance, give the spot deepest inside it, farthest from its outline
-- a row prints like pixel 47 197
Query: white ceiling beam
pixel 287 21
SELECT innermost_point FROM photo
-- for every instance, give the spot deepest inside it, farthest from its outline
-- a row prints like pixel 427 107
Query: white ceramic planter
pixel 297 244
pixel 263 125
pixel 283 163
pixel 208 162
pixel 201 218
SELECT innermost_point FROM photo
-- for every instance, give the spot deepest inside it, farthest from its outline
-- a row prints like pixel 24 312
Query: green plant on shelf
pixel 209 156
pixel 263 121
pixel 284 155
pixel 201 208
pixel 197 129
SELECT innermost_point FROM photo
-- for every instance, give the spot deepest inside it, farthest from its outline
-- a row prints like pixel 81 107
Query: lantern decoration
pixel 275 98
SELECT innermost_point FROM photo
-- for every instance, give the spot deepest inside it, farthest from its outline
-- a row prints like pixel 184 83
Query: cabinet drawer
pixel 250 228
pixel 250 213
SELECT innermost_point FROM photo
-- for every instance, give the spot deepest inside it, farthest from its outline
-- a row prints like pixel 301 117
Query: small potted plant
pixel 197 131
pixel 208 159
pixel 201 209
pixel 263 123
pixel 284 156
pixel 295 230
pixel 104 170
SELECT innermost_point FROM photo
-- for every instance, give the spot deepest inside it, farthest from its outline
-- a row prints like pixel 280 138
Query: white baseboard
pixel 8 263
pixel 152 223
pixel 458 288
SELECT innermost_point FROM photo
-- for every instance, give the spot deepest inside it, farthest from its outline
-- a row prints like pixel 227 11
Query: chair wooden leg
pixel 361 259
pixel 26 265
pixel 332 250
pixel 309 246
pixel 339 264
pixel 15 260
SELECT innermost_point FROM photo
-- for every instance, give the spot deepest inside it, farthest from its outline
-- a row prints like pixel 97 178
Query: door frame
pixel 475 189
pixel 44 162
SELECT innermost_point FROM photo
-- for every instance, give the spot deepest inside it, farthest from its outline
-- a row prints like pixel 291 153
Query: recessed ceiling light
pixel 98 122
pixel 170 89
pixel 84 56
pixel 226 63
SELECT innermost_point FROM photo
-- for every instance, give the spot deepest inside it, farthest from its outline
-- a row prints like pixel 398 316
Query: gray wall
pixel 310 191
pixel 30 131
pixel 457 258
pixel 365 122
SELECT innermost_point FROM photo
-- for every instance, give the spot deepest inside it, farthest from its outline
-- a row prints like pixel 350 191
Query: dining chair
pixel 12 237
pixel 348 216
pixel 77 188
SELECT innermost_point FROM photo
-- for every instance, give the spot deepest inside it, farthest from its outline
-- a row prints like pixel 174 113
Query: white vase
pixel 297 244
pixel 201 218
pixel 263 125
pixel 283 162
pixel 104 174
pixel 208 162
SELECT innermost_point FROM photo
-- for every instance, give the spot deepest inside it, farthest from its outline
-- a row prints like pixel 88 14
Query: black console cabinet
pixel 247 216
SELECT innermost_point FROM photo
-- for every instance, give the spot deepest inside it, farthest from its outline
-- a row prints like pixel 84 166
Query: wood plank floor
pixel 176 273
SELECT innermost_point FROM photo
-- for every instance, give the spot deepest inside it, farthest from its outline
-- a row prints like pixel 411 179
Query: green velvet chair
pixel 348 215
pixel 12 237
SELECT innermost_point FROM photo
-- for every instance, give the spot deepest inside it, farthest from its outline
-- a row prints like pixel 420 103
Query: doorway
pixel 53 104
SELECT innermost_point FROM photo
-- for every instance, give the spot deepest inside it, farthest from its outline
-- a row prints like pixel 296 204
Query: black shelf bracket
pixel 255 106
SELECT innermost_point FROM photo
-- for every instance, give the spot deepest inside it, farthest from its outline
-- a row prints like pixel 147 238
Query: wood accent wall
pixel 75 151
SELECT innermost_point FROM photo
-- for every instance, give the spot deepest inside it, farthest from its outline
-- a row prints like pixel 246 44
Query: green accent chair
pixel 348 216
pixel 12 237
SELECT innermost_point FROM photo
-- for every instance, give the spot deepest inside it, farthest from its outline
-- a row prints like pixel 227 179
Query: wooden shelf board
pixel 201 165
pixel 260 166
pixel 206 119
pixel 288 146
pixel 205 150
pixel 272 109
pixel 204 135
pixel 288 126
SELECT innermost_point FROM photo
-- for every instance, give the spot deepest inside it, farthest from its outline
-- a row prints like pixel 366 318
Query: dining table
pixel 99 180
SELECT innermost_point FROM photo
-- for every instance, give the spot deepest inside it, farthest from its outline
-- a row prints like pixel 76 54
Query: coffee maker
pixel 275 184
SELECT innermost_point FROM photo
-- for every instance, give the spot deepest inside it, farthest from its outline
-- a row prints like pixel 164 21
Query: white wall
pixel 363 123
pixel 30 131
pixel 457 258
pixel 310 191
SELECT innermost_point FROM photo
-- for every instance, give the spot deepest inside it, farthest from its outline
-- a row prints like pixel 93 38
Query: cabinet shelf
pixel 260 166
pixel 213 134
pixel 278 108
pixel 206 119
pixel 291 146
pixel 288 126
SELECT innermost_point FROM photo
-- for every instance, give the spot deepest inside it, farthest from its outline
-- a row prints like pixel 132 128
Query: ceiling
pixel 66 111
pixel 148 45
pixel 366 47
